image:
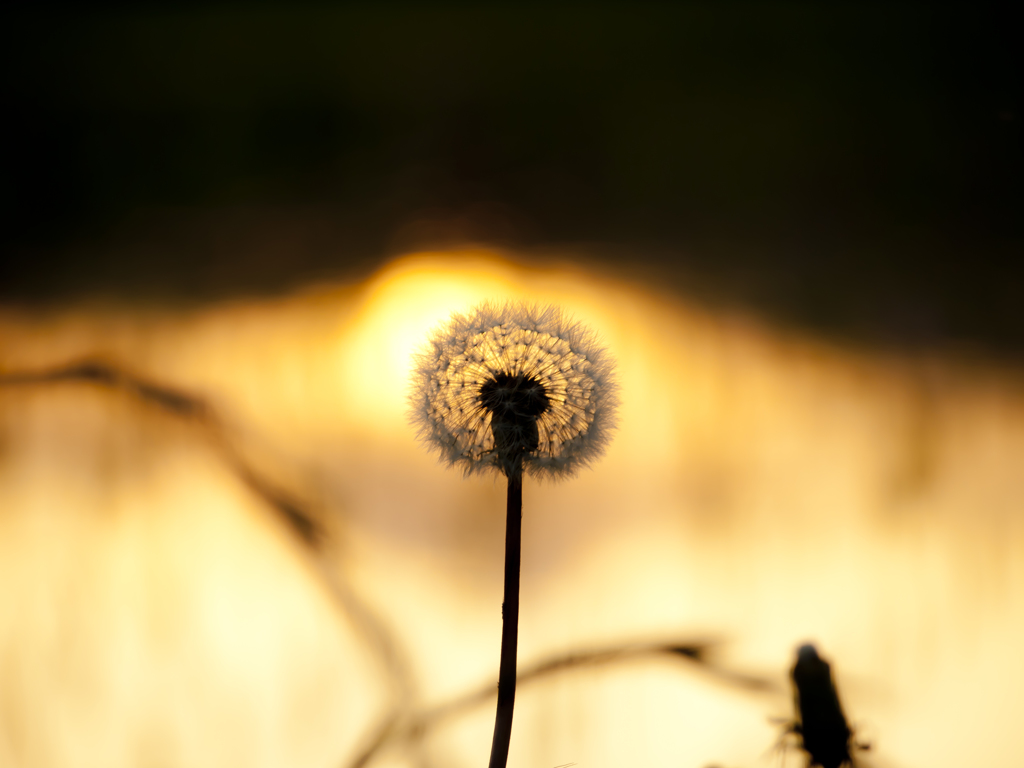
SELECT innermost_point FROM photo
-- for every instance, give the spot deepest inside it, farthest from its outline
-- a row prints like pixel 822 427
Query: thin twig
pixel 183 405
pixel 296 514
pixel 694 654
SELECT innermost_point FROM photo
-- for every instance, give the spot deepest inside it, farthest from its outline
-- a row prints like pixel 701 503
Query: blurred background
pixel 855 168
pixel 799 231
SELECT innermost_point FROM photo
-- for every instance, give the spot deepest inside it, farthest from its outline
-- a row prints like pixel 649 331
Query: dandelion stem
pixel 509 619
pixel 547 392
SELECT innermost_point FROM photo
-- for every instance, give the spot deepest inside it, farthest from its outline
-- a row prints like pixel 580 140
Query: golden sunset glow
pixel 762 490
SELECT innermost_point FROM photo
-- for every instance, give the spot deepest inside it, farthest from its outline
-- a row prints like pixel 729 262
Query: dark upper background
pixel 854 169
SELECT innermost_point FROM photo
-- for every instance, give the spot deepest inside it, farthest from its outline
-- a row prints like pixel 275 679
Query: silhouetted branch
pixel 394 731
pixel 297 515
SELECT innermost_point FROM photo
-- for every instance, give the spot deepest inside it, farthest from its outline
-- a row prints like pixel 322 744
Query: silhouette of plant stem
pixel 509 620
pixel 395 731
pixel 300 516
pixel 187 406
pixel 825 735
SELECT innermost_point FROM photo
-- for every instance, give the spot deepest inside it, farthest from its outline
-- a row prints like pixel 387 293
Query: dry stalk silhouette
pixel 298 516
pixel 303 518
pixel 821 726
pixel 405 732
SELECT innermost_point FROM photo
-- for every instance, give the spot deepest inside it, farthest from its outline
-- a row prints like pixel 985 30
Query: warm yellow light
pixel 396 310
pixel 762 487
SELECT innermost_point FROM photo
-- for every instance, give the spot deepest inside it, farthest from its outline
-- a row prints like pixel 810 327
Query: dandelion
pixel 515 389
pixel 514 384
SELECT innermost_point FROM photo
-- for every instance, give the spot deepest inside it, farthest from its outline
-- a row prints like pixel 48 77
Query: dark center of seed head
pixel 514 397
pixel 515 401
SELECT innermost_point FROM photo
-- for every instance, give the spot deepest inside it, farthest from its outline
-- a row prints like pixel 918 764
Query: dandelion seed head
pixel 514 383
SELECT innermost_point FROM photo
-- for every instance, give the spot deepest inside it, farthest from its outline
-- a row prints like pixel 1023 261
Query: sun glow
pixel 415 293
